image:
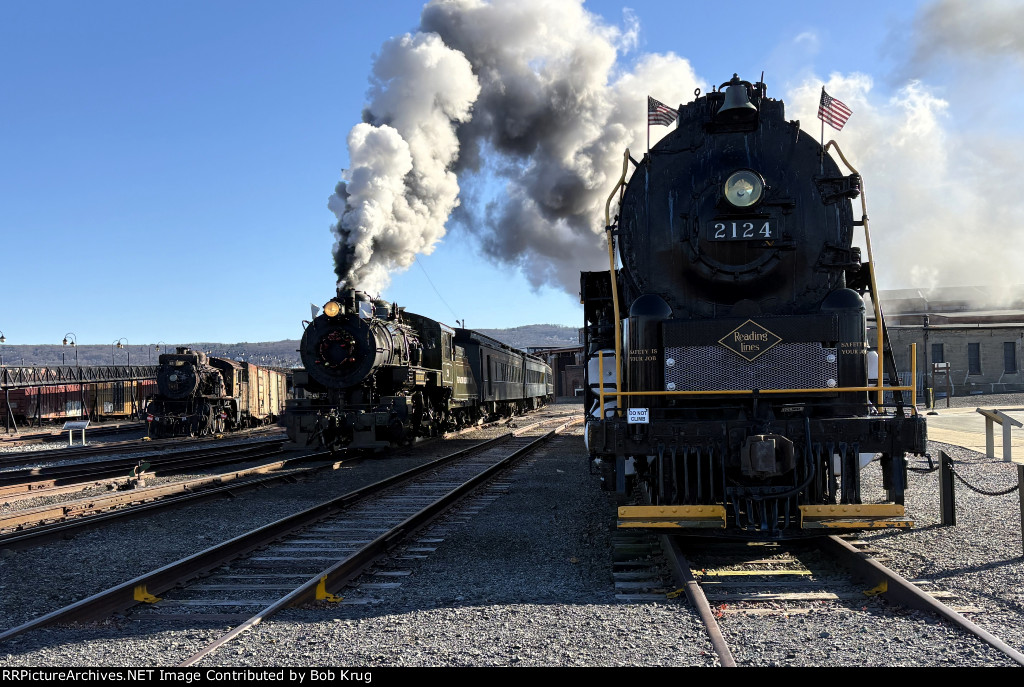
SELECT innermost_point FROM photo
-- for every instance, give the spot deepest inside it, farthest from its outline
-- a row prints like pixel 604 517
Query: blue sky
pixel 165 167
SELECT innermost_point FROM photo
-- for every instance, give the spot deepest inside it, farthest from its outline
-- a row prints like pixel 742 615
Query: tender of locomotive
pixel 377 376
pixel 199 395
pixel 730 372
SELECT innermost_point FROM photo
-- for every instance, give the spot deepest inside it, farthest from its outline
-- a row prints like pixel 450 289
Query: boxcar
pixel 93 400
pixel 55 402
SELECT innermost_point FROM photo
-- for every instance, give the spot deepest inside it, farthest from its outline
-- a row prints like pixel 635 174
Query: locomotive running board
pixel 672 516
pixel 858 516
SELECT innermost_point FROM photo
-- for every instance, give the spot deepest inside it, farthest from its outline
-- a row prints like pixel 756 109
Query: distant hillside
pixel 269 353
pixel 554 335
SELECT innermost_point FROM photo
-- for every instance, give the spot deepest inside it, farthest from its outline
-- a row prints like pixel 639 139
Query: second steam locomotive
pixel 375 376
pixel 199 395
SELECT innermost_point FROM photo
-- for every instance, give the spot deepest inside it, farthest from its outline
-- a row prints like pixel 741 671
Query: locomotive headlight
pixel 743 188
pixel 332 308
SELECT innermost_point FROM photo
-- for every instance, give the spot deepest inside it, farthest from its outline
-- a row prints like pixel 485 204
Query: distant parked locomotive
pixel 200 395
pixel 377 376
pixel 733 340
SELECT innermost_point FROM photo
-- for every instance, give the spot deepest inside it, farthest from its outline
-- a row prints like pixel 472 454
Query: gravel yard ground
pixel 524 577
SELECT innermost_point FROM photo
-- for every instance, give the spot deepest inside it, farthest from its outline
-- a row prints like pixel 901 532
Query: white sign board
pixel 76 424
pixel 638 416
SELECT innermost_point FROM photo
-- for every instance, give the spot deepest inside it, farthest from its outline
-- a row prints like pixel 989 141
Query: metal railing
pixel 22 377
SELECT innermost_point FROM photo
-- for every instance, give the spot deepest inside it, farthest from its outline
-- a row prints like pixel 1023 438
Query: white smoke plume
pixel 399 190
pixel 530 91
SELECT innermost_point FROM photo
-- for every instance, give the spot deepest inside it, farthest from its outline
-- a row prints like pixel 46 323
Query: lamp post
pixel 2 340
pixel 69 340
pixel 118 344
pixel 157 347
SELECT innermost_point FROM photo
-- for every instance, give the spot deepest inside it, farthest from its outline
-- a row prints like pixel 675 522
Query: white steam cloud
pixel 399 190
pixel 934 180
pixel 527 91
pixel 534 94
pixel 975 29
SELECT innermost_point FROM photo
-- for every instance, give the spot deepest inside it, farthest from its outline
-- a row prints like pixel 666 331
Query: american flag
pixel 833 112
pixel 659 113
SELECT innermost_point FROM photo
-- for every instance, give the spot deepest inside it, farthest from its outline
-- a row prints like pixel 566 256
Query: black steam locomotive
pixel 377 376
pixel 730 369
pixel 200 395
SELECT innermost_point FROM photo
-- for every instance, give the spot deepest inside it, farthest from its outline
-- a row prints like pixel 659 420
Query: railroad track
pixel 31 526
pixel 57 435
pixel 308 556
pixel 31 482
pixel 143 444
pixel 60 520
pixel 788 578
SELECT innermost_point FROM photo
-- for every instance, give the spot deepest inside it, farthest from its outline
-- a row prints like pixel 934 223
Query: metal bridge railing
pixel 23 377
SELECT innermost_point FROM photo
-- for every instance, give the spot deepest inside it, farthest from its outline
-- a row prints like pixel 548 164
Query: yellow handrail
pixel 912 388
pixel 875 300
pixel 615 285
pixel 750 392
pixel 913 377
pixel 828 390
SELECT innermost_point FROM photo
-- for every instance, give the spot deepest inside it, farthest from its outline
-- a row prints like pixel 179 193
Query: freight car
pixel 730 373
pixel 199 394
pixel 375 376
pixel 96 401
pixel 106 400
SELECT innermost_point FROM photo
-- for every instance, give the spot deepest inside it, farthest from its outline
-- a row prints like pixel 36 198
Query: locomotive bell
pixel 737 107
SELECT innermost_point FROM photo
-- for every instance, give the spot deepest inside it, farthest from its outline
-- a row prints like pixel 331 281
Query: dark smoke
pixel 527 92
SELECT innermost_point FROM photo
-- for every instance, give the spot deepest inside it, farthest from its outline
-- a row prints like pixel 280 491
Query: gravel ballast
pixel 523 577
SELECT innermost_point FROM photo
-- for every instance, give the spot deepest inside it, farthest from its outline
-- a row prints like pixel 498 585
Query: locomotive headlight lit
pixel 332 308
pixel 743 188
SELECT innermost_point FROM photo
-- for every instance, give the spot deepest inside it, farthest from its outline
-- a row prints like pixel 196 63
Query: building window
pixel 1010 356
pixel 937 353
pixel 974 358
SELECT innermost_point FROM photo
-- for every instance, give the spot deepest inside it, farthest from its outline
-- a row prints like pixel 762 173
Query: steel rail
pixel 29 479
pixel 36 525
pixel 145 444
pixel 142 502
pixel 128 594
pixel 695 594
pixel 335 577
pixel 864 567
pixel 905 593
pixel 40 489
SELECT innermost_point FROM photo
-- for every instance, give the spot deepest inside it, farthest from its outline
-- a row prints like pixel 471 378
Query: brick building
pixel 978 331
